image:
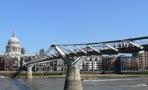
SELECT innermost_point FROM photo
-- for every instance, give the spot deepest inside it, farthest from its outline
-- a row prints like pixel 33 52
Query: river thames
pixel 58 84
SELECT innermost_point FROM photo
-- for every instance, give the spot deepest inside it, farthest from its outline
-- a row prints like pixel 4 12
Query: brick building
pixel 128 63
pixel 111 63
pixel 8 64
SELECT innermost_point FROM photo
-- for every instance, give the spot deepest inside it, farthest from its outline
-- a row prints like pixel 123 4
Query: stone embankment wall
pixel 41 74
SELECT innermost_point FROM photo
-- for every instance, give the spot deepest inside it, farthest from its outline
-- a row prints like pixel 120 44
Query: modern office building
pixel 23 51
pixel 91 63
pixel 143 60
pixel 129 63
pixel 41 52
pixel 57 65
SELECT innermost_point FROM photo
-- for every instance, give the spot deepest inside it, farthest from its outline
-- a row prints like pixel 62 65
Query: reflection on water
pixel 14 84
pixel 104 80
pixel 139 85
pixel 116 84
pixel 58 84
pixel 47 83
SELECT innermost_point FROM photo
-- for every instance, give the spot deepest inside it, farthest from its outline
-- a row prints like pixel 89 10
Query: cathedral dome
pixel 13 45
pixel 14 41
pixel 13 48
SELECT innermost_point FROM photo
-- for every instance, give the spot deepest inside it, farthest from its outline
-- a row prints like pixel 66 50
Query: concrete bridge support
pixel 29 71
pixel 73 79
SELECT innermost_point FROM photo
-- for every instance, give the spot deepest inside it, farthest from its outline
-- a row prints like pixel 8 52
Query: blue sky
pixel 40 23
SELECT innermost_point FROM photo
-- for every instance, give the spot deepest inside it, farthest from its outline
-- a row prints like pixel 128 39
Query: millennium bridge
pixel 73 54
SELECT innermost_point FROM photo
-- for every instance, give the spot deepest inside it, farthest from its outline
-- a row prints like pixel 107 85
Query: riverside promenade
pixel 63 75
pixel 92 76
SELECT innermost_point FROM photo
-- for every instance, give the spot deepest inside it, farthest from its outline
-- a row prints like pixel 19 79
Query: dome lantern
pixel 14 34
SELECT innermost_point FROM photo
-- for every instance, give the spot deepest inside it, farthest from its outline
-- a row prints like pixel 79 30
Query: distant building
pixel 11 59
pixel 1 64
pixel 42 51
pixel 143 60
pixel 9 64
pixel 13 49
pixel 58 65
pixel 111 63
pixel 128 63
pixel 91 63
pixel 23 51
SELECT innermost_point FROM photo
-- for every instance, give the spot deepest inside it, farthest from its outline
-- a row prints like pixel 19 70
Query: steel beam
pixel 81 49
pixel 65 51
pixel 77 61
pixel 111 47
pixel 139 46
pixel 71 50
pixel 66 59
pixel 93 48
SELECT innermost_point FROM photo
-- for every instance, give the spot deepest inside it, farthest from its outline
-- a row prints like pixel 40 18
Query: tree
pixel 11 68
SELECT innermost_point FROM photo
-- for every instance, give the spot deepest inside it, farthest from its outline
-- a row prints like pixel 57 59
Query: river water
pixel 58 84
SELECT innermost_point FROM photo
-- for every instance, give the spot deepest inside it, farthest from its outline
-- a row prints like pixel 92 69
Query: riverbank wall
pixel 22 74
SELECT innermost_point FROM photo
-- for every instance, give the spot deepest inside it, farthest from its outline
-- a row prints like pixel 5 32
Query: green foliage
pixel 37 74
pixel 136 73
pixel 53 73
pixel 11 68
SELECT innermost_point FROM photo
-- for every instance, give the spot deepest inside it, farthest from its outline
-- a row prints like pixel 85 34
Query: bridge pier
pixel 29 71
pixel 73 79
